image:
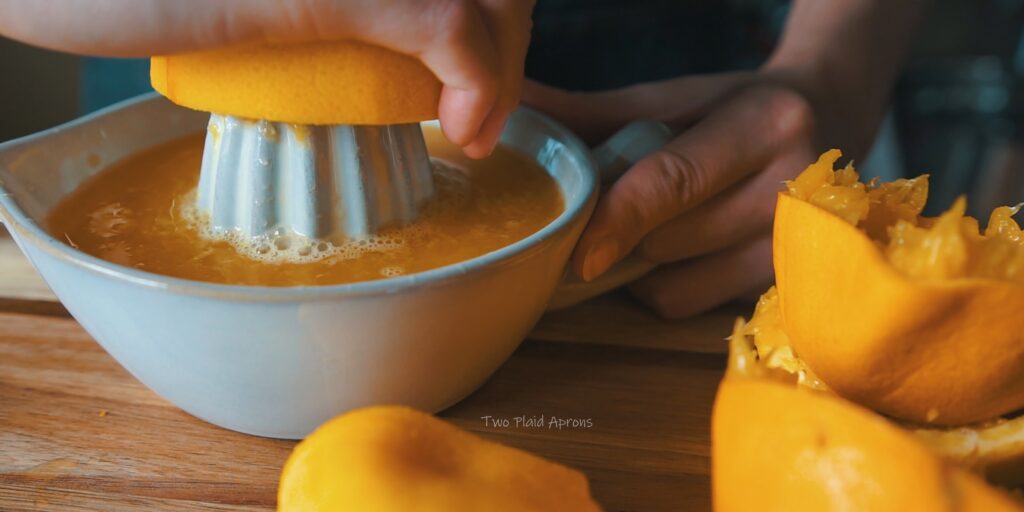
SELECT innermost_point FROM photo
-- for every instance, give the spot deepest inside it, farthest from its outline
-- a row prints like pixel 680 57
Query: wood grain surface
pixel 77 432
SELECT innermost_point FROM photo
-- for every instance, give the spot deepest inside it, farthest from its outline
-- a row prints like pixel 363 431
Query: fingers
pixel 739 138
pixel 477 48
pixel 139 28
pixel 450 37
pixel 695 286
pixel 464 58
pixel 735 215
pixel 509 22
pixel 594 116
pixel 119 28
pixel 466 43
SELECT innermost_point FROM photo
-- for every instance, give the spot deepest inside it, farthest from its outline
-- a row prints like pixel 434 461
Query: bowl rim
pixel 16 220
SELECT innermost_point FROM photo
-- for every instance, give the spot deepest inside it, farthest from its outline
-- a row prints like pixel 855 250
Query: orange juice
pixel 136 213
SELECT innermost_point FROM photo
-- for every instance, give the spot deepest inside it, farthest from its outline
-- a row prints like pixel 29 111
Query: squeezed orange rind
pixel 913 317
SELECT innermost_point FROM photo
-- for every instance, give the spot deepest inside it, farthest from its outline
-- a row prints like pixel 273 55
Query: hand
pixel 701 207
pixel 477 48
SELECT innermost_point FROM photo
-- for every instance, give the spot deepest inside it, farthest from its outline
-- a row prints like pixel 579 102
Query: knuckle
pixel 456 26
pixel 791 113
pixel 681 179
pixel 662 185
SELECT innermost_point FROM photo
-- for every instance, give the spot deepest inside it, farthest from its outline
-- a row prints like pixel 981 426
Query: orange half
pixel 339 82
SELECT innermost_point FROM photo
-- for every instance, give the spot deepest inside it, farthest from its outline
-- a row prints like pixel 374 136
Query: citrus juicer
pixel 317 140
pixel 267 179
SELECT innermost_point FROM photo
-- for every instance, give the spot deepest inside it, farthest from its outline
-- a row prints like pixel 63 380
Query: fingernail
pixel 478 149
pixel 600 258
pixel 475 152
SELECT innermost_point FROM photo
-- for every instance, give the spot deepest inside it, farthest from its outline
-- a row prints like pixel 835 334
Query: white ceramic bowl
pixel 278 362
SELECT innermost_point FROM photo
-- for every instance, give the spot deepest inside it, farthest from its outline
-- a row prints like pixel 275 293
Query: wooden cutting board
pixel 77 432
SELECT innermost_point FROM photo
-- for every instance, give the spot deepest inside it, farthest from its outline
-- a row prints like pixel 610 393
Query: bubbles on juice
pixel 288 247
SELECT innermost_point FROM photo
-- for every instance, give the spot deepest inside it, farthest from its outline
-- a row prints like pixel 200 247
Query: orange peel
pixel 320 83
pixel 929 342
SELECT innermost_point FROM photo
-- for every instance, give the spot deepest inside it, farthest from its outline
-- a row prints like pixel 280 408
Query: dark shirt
pixel 605 44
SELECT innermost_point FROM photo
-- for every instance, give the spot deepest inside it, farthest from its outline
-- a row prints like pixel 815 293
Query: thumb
pixel 738 139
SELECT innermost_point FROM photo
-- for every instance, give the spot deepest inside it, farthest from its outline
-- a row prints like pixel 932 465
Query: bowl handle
pixel 614 157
